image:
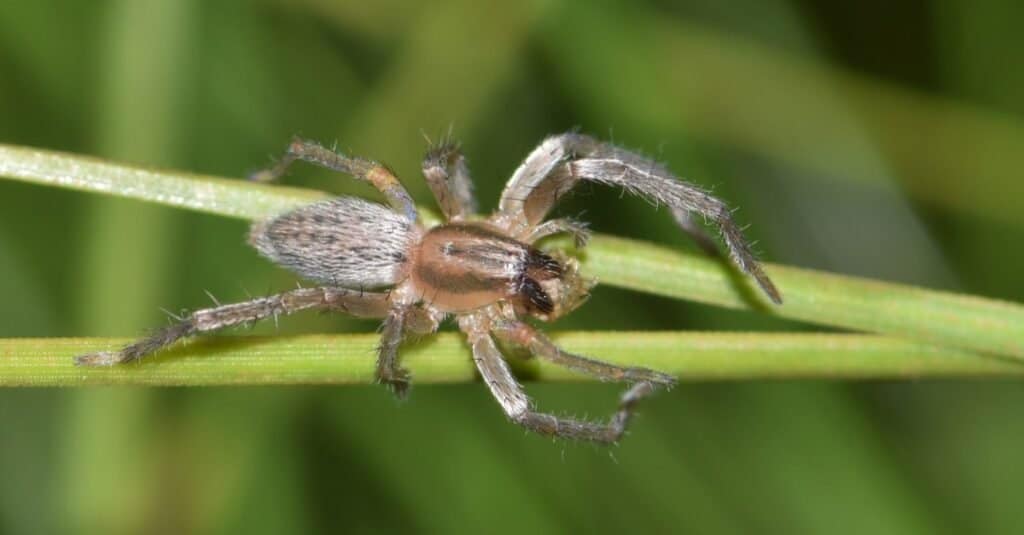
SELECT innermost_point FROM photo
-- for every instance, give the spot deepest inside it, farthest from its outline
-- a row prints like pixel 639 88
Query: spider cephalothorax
pixel 380 261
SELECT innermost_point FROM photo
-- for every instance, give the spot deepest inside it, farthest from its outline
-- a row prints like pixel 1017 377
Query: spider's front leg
pixel 560 162
pixel 577 229
pixel 207 320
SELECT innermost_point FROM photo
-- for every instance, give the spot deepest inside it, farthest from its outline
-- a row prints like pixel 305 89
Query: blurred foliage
pixel 862 138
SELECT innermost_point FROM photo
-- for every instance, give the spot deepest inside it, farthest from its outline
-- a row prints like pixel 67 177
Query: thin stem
pixel 445 358
pixel 942 318
pixel 214 195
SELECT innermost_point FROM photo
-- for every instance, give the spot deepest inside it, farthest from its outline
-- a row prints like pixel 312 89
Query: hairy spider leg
pixel 516 405
pixel 523 335
pixel 560 162
pixel 357 303
pixel 444 168
pixel 577 229
pixel 703 240
pixel 389 372
pixel 370 171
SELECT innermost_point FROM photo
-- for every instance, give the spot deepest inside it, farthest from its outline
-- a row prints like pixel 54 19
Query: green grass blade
pixel 445 358
pixel 943 318
pixel 214 195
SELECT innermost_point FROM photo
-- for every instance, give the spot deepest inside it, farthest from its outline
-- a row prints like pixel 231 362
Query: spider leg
pixel 661 187
pixel 370 171
pixel 446 172
pixel 216 318
pixel 577 229
pixel 703 240
pixel 560 162
pixel 509 394
pixel 523 335
pixel 389 372
pixel 535 187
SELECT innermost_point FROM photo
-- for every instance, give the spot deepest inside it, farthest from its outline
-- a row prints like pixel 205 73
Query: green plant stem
pixel 941 318
pixel 966 322
pixel 214 195
pixel 445 358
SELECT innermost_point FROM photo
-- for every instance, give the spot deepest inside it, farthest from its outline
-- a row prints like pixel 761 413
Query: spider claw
pixel 398 385
pixel 644 375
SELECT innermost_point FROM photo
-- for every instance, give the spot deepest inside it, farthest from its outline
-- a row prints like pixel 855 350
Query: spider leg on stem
pixel 389 372
pixel 523 335
pixel 509 394
pixel 357 303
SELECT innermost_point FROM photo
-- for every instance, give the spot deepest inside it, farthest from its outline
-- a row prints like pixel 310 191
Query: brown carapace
pixel 372 260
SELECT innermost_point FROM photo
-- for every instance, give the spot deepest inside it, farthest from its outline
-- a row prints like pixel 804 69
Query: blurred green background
pixel 864 138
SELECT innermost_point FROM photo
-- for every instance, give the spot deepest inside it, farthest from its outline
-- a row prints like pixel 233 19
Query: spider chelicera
pixel 484 271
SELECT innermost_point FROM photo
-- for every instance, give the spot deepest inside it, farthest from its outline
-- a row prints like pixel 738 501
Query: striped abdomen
pixel 343 241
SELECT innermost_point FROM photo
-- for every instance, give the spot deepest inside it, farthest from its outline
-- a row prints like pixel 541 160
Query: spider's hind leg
pixel 357 303
pixel 516 405
pixel 523 335
pixel 379 176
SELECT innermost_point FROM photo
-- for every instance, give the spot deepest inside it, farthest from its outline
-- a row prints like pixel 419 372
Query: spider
pixel 486 272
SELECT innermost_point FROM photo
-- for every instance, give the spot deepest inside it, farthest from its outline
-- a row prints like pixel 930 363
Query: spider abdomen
pixel 464 266
pixel 344 241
